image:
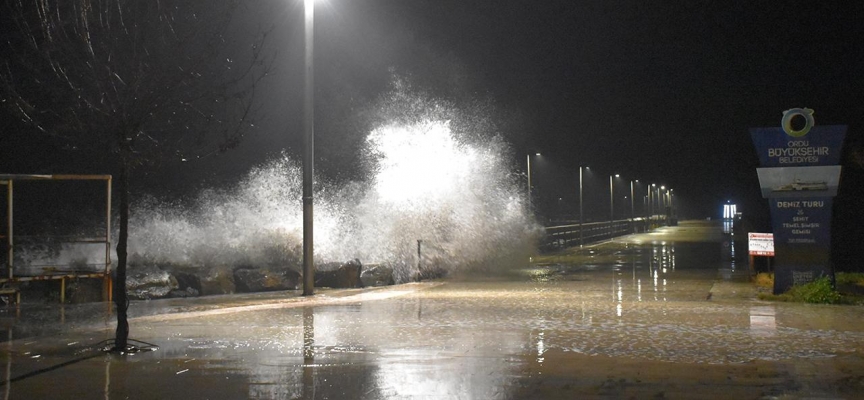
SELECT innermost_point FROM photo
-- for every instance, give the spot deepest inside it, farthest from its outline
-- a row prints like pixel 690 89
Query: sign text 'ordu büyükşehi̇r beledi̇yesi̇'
pixel 798 151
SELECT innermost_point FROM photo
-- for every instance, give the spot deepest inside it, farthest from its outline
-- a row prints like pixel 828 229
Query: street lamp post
pixel 611 203
pixel 645 212
pixel 633 205
pixel 671 207
pixel 651 200
pixel 581 216
pixel 671 203
pixel 528 162
pixel 530 200
pixel 665 200
pixel 661 201
pixel 308 154
pixel 667 204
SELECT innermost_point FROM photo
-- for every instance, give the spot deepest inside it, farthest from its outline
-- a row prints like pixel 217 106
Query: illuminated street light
pixel 581 217
pixel 651 200
pixel 645 200
pixel 663 198
pixel 671 204
pixel 308 154
pixel 672 218
pixel 633 204
pixel 528 158
pixel 611 203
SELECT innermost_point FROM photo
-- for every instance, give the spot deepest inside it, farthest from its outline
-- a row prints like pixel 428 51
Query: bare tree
pixel 140 80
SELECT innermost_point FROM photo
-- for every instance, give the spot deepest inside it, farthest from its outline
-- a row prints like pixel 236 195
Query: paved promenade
pixel 666 314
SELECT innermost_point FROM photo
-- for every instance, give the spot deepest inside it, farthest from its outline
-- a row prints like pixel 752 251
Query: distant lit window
pixel 729 211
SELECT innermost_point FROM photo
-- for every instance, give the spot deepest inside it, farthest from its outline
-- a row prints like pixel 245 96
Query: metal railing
pixel 55 271
pixel 562 236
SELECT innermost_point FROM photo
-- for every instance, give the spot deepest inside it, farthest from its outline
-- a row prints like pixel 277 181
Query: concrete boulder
pixel 345 276
pixel 144 282
pixel 247 280
pixel 377 275
pixel 215 280
pixel 188 283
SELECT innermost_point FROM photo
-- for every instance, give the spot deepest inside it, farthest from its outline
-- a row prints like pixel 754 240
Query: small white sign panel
pixel 760 244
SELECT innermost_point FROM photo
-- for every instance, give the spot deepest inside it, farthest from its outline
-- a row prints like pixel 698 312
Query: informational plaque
pixel 799 176
pixel 760 244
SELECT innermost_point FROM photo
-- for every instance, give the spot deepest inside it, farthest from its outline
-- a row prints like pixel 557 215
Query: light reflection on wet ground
pixel 639 318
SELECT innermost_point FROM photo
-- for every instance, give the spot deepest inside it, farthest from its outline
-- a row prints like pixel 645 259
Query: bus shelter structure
pixel 9 281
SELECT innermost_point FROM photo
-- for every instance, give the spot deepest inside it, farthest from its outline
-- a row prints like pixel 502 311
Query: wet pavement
pixel 662 315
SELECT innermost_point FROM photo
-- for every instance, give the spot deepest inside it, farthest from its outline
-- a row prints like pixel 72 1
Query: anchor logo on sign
pixel 786 122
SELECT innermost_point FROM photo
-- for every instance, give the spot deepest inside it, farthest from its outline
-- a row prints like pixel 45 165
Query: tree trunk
pixel 121 300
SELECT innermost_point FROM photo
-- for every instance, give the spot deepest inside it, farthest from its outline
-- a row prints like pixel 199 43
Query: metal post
pixel 611 206
pixel 632 208
pixel 671 203
pixel 528 160
pixel 308 154
pixel 663 203
pixel 108 285
pixel 9 220
pixel 666 203
pixel 668 206
pixel 669 195
pixel 108 227
pixel 650 205
pixel 580 208
pixel 419 257
pixel 106 282
pixel 657 201
pixel 645 213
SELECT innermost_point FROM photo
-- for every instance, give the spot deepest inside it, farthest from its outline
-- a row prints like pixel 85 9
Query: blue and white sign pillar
pixel 799 176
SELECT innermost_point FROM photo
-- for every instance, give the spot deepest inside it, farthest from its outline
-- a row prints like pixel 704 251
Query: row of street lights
pixel 653 196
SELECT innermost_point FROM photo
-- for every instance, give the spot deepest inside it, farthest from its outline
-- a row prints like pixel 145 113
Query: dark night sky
pixel 658 91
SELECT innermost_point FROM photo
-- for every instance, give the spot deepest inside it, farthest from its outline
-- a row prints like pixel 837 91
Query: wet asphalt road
pixel 663 315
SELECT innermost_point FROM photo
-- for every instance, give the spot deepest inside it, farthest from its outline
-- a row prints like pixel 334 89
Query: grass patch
pixel 850 290
pixel 819 291
pixel 850 278
pixel 764 280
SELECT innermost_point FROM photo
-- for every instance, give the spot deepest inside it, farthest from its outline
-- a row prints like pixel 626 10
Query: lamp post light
pixel 667 198
pixel 633 204
pixel 661 195
pixel 308 154
pixel 528 162
pixel 645 212
pixel 661 202
pixel 530 200
pixel 671 204
pixel 651 200
pixel 611 202
pixel 672 218
pixel 581 217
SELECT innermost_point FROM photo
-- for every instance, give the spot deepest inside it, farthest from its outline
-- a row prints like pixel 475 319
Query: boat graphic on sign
pixel 800 185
